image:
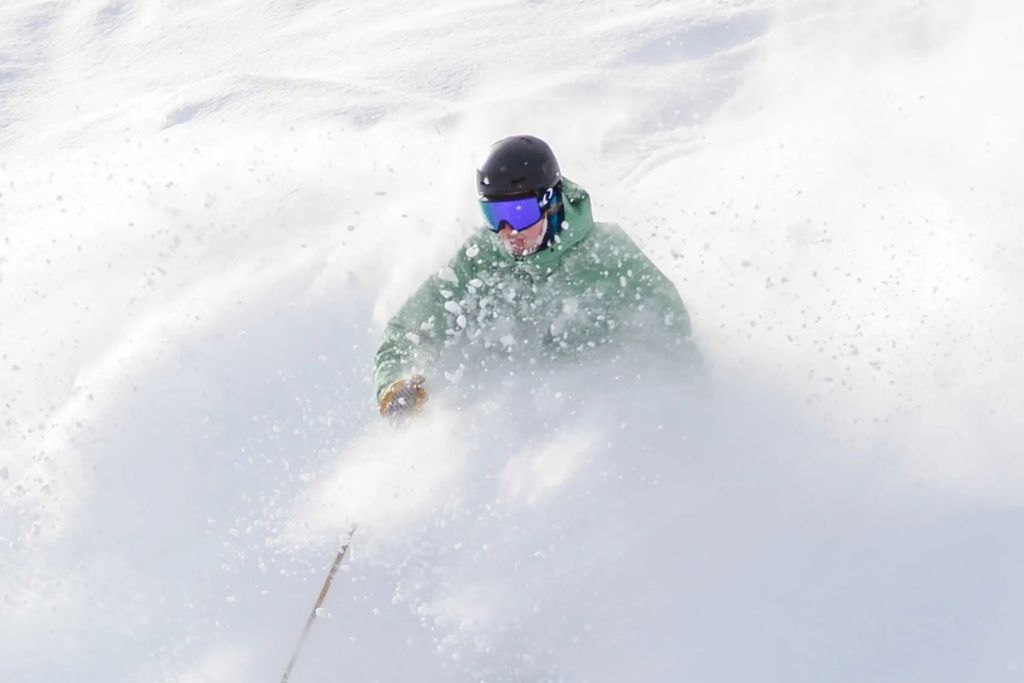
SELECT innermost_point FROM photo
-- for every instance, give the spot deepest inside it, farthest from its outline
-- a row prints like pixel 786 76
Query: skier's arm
pixel 415 337
pixel 660 309
pixel 410 343
pixel 669 311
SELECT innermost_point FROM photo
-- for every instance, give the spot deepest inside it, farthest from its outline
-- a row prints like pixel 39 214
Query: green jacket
pixel 592 291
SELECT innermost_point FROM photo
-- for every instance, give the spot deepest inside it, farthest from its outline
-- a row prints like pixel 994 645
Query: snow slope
pixel 208 210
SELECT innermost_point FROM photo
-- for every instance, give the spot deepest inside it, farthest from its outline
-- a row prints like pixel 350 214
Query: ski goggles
pixel 519 213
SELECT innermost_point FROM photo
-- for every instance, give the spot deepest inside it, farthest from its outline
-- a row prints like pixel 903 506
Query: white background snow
pixel 209 208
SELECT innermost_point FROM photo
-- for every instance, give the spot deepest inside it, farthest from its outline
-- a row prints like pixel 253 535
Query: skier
pixel 541 282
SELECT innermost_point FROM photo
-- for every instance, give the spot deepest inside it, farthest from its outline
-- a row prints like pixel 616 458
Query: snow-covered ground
pixel 209 208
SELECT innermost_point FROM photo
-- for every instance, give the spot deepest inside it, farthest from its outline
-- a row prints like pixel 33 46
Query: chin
pixel 521 248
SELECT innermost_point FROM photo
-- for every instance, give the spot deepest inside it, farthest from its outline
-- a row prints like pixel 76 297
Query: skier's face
pixel 522 242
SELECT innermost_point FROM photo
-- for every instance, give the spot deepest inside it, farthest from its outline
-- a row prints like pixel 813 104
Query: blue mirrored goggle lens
pixel 519 214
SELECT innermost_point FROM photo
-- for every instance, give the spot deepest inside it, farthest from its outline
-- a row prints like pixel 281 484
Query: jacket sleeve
pixel 411 342
pixel 415 337
pixel 659 310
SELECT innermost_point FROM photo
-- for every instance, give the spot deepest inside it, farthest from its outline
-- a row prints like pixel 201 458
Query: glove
pixel 403 398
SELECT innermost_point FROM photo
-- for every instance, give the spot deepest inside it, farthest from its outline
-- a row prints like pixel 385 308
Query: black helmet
pixel 516 165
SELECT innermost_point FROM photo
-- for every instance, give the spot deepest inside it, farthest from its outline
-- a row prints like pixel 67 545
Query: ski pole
pixel 319 601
